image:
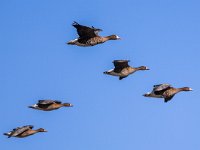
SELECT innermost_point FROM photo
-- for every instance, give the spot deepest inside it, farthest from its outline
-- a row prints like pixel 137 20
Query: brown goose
pixel 165 91
pixel 88 36
pixel 48 105
pixel 24 131
pixel 122 69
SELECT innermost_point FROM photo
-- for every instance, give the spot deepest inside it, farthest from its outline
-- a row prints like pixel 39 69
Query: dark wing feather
pixel 157 85
pixel 57 102
pixel 168 98
pixel 120 78
pixel 16 128
pixel 83 40
pixel 44 103
pixel 120 64
pixel 160 92
pixel 86 32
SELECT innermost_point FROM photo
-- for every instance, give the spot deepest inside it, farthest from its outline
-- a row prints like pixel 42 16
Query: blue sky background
pixel 108 114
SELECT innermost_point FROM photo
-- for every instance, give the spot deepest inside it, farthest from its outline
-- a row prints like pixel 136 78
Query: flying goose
pixel 88 36
pixel 24 131
pixel 122 69
pixel 48 105
pixel 165 91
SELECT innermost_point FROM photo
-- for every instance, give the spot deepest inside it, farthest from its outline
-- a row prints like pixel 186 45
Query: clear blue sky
pixel 108 114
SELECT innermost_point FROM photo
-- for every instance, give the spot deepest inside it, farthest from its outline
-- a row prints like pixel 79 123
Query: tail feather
pixel 70 43
pixel 31 107
pixel 106 72
pixel 7 134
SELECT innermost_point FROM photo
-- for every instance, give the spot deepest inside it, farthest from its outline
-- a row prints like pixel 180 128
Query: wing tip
pixel 121 60
pixel 75 23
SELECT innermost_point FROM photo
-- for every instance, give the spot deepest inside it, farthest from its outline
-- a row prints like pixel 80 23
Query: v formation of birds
pixel 88 36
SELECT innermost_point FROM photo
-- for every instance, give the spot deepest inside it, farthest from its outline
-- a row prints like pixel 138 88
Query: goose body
pixel 48 105
pixel 122 69
pixel 88 36
pixel 24 131
pixel 165 91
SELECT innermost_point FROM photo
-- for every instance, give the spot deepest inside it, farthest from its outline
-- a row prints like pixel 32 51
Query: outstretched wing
pixel 120 64
pixel 168 98
pixel 46 103
pixel 161 88
pixel 86 32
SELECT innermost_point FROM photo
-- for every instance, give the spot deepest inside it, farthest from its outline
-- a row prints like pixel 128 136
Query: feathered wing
pixel 120 78
pixel 86 32
pixel 168 98
pixel 120 64
pixel 161 88
pixel 19 130
pixel 46 103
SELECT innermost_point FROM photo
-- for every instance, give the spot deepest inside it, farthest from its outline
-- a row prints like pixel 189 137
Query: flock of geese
pixel 88 36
